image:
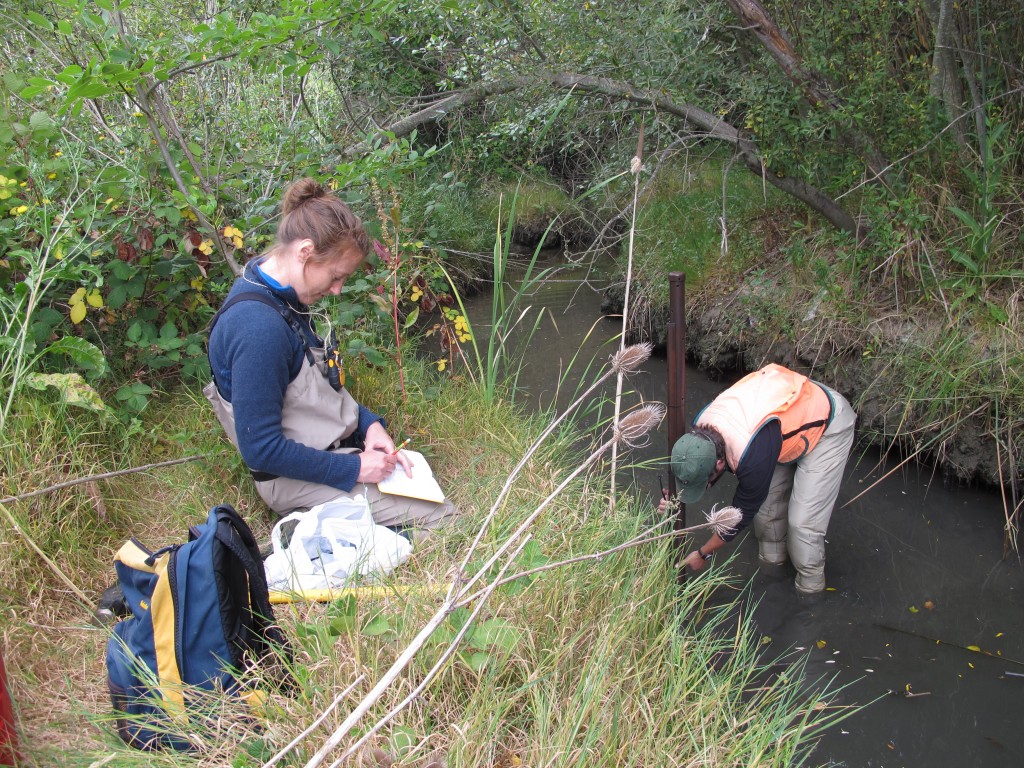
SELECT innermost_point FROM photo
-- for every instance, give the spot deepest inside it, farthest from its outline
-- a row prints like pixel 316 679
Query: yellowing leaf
pixel 821 643
pixel 974 648
pixel 206 247
pixel 77 297
pixel 77 312
pixel 94 298
pixel 913 609
pixel 999 634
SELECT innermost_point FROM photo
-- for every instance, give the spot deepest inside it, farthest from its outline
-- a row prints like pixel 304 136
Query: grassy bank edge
pixel 613 663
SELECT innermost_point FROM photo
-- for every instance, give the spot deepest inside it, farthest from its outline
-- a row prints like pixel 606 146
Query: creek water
pixel 921 625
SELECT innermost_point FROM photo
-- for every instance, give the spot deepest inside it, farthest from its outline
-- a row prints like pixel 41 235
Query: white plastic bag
pixel 332 544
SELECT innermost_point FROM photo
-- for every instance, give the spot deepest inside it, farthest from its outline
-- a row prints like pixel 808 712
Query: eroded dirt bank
pixel 738 328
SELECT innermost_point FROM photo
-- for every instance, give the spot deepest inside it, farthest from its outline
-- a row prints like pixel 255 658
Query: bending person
pixel 301 434
pixel 787 439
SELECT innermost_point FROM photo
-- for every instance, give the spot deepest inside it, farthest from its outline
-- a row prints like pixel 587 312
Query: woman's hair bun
pixel 301 191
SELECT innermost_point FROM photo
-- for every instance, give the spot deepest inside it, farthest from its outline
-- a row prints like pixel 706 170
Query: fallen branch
pixel 102 476
pixel 67 484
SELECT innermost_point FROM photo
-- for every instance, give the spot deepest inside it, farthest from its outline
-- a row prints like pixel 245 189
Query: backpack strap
pixel 260 631
pixel 282 308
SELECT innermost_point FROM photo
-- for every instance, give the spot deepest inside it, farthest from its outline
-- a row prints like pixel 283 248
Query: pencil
pixel 401 445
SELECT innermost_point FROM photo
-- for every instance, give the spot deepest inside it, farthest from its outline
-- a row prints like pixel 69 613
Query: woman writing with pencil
pixel 276 386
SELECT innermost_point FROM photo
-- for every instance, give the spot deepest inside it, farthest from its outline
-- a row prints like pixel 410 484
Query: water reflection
pixel 922 615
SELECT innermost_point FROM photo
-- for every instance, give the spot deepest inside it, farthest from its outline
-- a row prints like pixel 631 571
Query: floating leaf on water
pixel 929 605
pixel 974 648
pixel 913 609
pixel 970 665
pixel 766 640
pixel 821 643
pixel 999 634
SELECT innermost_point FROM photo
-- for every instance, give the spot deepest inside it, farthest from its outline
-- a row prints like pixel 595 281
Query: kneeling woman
pixel 304 438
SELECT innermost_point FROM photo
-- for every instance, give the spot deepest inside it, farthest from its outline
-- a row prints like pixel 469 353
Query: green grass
pixel 679 221
pixel 607 663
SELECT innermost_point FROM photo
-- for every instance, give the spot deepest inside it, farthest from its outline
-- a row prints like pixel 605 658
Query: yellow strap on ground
pixel 369 593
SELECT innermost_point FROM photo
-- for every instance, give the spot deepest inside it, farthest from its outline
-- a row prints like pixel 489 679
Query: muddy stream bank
pixel 923 619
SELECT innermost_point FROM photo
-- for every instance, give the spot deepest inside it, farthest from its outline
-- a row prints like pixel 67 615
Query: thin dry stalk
pixel 635 167
pixel 35 548
pixel 721 521
pixel 915 454
pixel 316 723
pixel 442 660
pixel 625 361
pixel 630 431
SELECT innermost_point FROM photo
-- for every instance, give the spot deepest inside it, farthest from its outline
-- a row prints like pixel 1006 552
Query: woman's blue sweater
pixel 254 355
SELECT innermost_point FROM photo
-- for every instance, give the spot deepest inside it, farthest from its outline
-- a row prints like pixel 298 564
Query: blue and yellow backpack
pixel 200 620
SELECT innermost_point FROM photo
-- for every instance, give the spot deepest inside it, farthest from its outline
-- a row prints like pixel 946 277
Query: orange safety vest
pixel 803 408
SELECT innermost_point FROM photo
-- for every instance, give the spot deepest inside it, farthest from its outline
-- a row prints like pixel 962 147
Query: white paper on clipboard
pixel 421 485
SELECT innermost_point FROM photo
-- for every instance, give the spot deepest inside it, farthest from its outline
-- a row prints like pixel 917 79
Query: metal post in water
pixel 675 336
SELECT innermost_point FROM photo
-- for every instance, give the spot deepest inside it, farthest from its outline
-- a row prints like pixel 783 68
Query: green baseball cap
pixel 693 461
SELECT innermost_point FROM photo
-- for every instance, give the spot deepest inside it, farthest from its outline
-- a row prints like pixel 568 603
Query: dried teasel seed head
pixel 634 426
pixel 629 359
pixel 724 520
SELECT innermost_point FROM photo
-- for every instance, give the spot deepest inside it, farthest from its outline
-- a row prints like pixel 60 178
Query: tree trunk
pixel 944 84
pixel 812 85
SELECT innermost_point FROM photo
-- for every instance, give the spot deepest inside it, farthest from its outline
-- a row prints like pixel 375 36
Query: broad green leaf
pixel 84 354
pixel 378 625
pixel 117 297
pixel 998 313
pixel 412 318
pixel 39 20
pixel 403 740
pixel 135 332
pixel 342 625
pixel 496 633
